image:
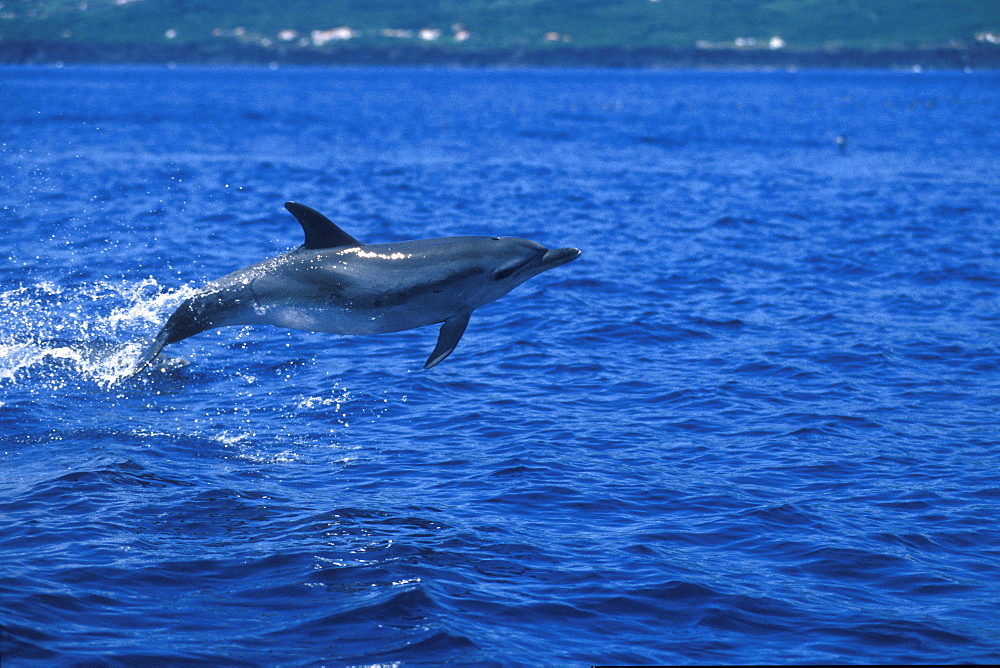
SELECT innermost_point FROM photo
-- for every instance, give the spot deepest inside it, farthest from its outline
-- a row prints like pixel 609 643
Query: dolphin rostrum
pixel 334 283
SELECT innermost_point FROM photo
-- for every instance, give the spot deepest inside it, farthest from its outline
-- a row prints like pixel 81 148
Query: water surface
pixel 755 422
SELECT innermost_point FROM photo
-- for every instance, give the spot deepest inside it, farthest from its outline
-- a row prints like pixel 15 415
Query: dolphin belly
pixel 371 315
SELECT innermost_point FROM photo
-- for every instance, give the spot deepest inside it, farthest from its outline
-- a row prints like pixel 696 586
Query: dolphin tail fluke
pixel 186 321
pixel 150 352
pixel 448 338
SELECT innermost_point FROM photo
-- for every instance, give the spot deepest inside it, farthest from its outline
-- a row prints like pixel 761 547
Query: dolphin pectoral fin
pixel 449 336
pixel 320 231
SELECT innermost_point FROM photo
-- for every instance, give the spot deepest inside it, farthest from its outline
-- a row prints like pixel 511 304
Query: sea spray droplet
pixel 92 332
pixel 146 304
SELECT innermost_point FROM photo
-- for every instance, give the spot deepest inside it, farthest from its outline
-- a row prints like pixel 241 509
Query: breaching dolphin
pixel 334 283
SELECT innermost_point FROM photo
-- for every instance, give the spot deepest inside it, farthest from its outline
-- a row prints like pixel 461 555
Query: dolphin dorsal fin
pixel 320 231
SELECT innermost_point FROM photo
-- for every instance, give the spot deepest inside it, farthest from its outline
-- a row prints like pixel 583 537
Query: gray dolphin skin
pixel 334 283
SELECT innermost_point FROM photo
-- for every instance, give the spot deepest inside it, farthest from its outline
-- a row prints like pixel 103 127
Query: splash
pixel 91 332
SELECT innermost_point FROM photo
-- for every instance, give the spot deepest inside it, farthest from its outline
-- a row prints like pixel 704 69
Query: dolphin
pixel 334 283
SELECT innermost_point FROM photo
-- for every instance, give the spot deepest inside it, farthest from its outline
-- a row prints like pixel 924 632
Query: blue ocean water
pixel 755 422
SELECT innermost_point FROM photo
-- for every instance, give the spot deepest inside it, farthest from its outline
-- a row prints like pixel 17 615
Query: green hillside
pixel 282 26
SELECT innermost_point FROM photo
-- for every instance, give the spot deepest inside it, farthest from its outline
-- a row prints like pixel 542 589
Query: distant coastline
pixel 974 57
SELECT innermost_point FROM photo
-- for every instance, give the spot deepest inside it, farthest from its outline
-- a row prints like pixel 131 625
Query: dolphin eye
pixel 504 273
pixel 510 270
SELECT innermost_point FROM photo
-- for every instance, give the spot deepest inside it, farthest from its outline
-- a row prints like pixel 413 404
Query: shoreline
pixel 973 57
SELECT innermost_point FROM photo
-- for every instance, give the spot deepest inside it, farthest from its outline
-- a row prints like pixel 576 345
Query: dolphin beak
pixel 558 256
